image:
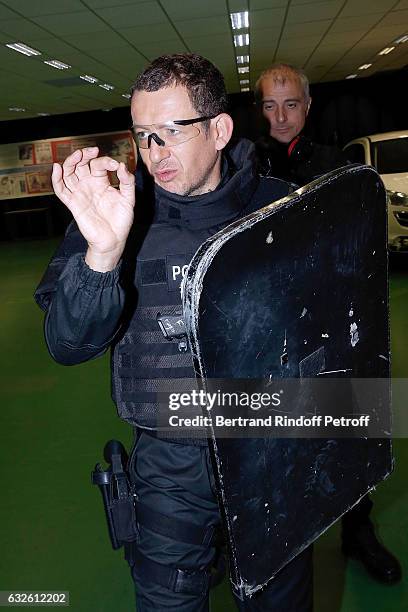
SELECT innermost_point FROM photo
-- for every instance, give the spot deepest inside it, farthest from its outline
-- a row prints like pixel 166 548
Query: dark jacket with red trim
pixel 300 162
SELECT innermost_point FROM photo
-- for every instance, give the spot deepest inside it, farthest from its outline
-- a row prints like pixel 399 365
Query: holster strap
pixel 176 529
pixel 176 580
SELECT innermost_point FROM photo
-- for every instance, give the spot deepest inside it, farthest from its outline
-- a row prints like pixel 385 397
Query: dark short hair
pixel 203 81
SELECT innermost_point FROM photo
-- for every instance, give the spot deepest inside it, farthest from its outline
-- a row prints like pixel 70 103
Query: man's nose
pixel 157 152
pixel 281 116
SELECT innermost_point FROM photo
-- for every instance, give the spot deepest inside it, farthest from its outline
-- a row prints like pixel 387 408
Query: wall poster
pixel 25 167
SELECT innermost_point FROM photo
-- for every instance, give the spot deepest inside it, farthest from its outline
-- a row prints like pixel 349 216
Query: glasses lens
pixel 141 137
pixel 177 134
pixel 171 133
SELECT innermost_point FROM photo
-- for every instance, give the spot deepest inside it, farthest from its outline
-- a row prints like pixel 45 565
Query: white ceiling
pixel 113 40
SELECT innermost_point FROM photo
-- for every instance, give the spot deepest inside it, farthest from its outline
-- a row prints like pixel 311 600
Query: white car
pixel 388 153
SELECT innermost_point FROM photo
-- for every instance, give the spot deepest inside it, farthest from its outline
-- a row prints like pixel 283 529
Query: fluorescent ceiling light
pixel 241 40
pixel 22 48
pixel 88 78
pixel 239 20
pixel 244 82
pixel 57 64
pixel 106 86
pixel 242 59
pixel 127 96
pixel 401 39
pixel 17 109
pixel 244 88
pixel 364 66
pixel 386 51
pixel 43 114
pixel 243 70
pixel 351 76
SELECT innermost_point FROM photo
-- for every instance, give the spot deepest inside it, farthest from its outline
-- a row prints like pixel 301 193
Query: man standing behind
pixel 282 91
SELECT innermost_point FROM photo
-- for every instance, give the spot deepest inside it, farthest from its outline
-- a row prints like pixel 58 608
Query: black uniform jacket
pixel 89 311
pixel 300 162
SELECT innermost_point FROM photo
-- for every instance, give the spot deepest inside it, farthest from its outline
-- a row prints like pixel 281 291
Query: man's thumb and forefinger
pixel 126 183
pixel 59 186
pixel 97 168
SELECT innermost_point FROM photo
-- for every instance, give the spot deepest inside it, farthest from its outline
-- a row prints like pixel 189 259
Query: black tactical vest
pixel 145 363
pixel 158 251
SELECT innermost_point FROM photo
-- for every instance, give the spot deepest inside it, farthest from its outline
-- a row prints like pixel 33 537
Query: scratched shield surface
pixel 296 289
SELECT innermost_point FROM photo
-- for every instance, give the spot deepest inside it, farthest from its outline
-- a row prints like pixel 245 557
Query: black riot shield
pixel 296 290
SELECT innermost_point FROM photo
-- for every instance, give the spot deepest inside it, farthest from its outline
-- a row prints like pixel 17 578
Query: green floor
pixel 54 423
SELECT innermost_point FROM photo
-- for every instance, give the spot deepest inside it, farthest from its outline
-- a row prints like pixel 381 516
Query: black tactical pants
pixel 175 481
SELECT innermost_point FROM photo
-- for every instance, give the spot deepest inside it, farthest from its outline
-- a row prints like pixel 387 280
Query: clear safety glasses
pixel 169 134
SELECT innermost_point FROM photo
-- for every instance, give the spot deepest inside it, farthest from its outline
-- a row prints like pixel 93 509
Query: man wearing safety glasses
pixel 114 278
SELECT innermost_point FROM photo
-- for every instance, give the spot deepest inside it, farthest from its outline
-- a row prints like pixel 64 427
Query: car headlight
pixel 397 198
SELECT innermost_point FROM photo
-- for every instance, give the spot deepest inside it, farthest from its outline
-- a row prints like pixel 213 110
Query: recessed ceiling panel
pixel 218 40
pixel 329 54
pixel 113 58
pixel 303 51
pixel 346 39
pixel 45 7
pixel 314 12
pixel 22 30
pixel 358 8
pixel 298 30
pixel 267 4
pixel 193 9
pixel 94 4
pixel 155 31
pixel 350 24
pixel 71 23
pixel 384 35
pixel 55 46
pixel 142 14
pixel 264 36
pixel 270 18
pixel 223 58
pixel 209 25
pixel 64 82
pixel 208 52
pixel 399 18
pixel 6 13
pixel 156 48
pixel 94 44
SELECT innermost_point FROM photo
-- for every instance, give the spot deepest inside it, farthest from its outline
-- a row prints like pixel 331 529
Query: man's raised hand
pixel 103 213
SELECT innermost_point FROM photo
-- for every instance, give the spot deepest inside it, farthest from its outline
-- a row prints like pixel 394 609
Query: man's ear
pixel 223 126
pixel 308 106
